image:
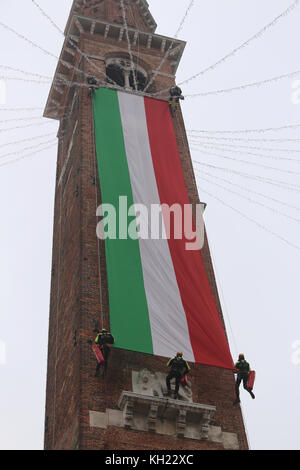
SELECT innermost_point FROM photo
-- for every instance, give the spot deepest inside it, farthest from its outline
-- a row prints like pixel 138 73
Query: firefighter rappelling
pixel 179 369
pixel 244 373
pixel 93 84
pixel 103 342
pixel 175 96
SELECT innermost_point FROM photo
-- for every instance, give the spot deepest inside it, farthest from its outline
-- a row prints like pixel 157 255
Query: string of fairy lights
pixel 255 179
pixel 219 144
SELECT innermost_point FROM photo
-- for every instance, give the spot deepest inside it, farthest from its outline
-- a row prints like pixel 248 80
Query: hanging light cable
pixel 239 139
pixel 260 225
pixel 170 46
pixel 73 43
pixel 244 188
pixel 248 131
pixel 219 147
pixel 265 206
pixel 278 183
pixel 196 140
pixel 128 42
pixel 50 54
pixel 244 87
pixel 261 165
pixel 256 36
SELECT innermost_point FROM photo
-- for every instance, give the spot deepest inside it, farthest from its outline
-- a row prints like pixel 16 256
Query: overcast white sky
pixel 257 272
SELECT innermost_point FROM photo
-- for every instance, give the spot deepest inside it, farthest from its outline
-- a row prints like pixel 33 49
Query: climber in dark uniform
pixel 179 368
pixel 242 369
pixel 104 339
pixel 175 96
pixel 93 84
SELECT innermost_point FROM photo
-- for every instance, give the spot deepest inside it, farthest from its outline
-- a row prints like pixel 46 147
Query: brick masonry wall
pixel 110 11
pixel 79 295
pixel 63 396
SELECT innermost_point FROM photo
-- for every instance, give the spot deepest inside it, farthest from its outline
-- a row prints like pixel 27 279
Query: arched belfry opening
pixel 123 72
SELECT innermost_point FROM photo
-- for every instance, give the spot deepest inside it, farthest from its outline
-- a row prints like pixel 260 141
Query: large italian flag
pixel 160 299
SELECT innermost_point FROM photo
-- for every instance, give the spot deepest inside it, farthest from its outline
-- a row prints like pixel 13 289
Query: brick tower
pixel 121 412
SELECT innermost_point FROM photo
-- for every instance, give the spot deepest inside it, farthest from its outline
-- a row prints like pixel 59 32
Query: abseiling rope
pixel 186 147
pixel 58 291
pixel 96 179
pixel 225 309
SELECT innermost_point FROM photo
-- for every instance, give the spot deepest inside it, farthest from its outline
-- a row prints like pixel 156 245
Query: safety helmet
pixel 179 354
pixel 241 356
pixel 104 330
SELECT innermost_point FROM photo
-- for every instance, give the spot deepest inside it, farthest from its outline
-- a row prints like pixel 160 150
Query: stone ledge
pixel 170 402
pixel 164 416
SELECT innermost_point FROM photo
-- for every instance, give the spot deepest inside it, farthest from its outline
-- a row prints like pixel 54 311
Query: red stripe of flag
pixel 208 339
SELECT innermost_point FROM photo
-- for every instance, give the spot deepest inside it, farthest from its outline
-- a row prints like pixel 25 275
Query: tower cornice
pixel 143 6
pixel 82 26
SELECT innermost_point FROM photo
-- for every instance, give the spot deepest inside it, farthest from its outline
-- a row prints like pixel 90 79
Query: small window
pixel 140 80
pixel 116 74
pixel 119 71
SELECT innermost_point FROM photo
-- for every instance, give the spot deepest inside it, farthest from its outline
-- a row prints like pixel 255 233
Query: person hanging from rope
pixel 242 370
pixel 93 84
pixel 104 340
pixel 175 96
pixel 179 368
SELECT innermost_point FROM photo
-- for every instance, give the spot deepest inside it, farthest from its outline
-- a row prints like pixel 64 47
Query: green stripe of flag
pixel 129 317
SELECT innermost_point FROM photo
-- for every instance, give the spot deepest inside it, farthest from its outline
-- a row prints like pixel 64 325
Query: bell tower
pixel 115 42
